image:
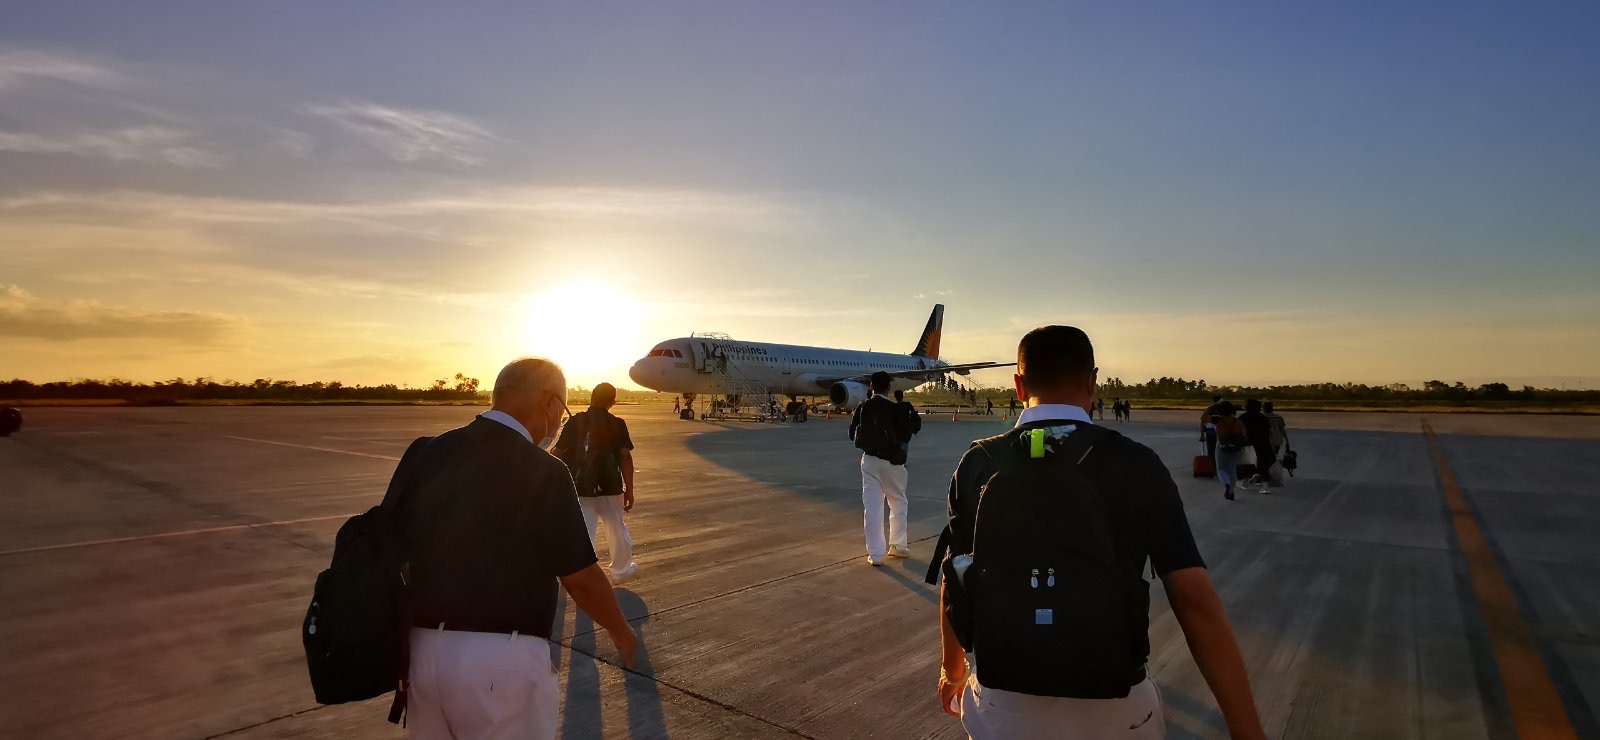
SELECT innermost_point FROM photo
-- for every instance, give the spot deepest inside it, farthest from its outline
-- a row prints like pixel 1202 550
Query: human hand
pixel 950 685
pixel 627 500
pixel 627 644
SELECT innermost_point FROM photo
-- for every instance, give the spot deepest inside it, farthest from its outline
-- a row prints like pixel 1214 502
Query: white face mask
pixel 553 427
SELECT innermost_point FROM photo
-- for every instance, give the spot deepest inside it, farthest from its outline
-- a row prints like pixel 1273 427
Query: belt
pixel 472 627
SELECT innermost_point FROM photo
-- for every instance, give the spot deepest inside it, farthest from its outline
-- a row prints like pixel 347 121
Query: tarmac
pixel 1422 577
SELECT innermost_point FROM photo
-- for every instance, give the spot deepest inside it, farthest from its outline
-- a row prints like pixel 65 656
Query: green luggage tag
pixel 1036 439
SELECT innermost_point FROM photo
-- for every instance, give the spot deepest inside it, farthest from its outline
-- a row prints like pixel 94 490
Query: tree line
pixel 1165 388
pixel 179 390
pixel 463 388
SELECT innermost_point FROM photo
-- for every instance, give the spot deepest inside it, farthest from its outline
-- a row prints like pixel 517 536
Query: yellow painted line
pixel 166 535
pixel 1536 707
pixel 313 447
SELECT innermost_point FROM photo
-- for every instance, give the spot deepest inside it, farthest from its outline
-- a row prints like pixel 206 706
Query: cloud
pixel 139 144
pixel 410 135
pixel 603 204
pixel 368 362
pixel 23 314
pixel 18 65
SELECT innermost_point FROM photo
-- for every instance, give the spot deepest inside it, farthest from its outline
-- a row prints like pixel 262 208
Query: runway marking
pixel 313 447
pixel 165 535
pixel 1536 707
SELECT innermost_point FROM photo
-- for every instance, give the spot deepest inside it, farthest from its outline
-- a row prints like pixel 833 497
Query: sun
pixel 592 330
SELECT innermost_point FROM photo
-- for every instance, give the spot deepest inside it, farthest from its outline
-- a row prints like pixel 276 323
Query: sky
pixel 1247 193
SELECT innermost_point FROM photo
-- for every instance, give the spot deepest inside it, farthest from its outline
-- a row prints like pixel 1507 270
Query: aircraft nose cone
pixel 637 372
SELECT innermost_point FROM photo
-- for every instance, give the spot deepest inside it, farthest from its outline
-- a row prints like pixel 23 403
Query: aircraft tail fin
pixel 928 345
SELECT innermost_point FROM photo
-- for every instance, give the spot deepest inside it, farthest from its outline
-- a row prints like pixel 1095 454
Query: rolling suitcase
pixel 1204 466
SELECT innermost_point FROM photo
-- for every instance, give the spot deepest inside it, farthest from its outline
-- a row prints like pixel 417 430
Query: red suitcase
pixel 1204 467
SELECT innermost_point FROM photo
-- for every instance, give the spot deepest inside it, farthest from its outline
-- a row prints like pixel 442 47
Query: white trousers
pixel 609 510
pixel 481 686
pixel 991 714
pixel 881 480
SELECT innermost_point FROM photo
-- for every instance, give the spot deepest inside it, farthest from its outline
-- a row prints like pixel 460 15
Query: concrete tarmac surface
pixel 155 565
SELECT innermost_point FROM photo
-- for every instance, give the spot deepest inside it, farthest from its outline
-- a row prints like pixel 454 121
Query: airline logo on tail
pixel 928 345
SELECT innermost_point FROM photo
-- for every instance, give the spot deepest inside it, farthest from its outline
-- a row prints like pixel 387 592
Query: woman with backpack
pixel 1232 440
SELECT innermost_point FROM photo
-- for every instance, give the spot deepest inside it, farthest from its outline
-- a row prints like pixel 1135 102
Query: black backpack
pixel 356 633
pixel 1048 596
pixel 590 455
pixel 879 434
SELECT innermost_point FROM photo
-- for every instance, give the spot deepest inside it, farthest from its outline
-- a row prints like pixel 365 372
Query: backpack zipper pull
pixel 1051 582
pixel 1034 579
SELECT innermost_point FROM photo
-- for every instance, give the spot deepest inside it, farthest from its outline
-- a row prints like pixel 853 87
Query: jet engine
pixel 847 394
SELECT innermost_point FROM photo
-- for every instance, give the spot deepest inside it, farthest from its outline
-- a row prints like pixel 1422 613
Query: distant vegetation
pixel 1434 394
pixel 1431 392
pixel 1154 393
pixel 261 390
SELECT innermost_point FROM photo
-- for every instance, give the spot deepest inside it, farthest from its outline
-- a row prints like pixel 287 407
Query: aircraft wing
pixel 961 369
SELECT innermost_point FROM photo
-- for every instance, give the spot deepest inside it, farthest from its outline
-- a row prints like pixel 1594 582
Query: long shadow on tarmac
pixel 582 715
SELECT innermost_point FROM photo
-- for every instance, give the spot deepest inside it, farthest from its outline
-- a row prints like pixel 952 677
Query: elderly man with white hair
pixel 491 524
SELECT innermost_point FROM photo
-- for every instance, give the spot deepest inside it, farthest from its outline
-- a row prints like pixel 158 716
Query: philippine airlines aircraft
pixel 695 364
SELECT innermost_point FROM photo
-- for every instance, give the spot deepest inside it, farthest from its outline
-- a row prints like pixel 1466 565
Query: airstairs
pixel 745 396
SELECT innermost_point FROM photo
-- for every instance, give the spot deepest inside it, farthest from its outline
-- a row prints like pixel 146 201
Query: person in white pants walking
pixel 490 526
pixel 880 431
pixel 597 449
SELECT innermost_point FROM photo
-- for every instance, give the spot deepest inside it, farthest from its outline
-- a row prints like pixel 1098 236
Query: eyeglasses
pixel 564 407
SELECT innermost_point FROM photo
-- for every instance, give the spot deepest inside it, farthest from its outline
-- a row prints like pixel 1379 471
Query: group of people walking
pixel 490 524
pixel 1251 446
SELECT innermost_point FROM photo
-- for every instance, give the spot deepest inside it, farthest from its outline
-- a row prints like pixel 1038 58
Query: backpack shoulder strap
pixel 942 547
pixel 404 472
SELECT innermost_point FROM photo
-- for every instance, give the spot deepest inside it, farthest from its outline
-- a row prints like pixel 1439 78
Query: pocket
pixel 505 693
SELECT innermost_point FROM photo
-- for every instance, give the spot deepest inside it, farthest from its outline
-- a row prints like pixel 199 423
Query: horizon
pixel 1250 195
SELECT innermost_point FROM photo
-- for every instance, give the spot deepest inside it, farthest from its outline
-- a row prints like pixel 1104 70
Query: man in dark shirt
pixel 878 428
pixel 1258 430
pixel 597 449
pixel 1056 374
pixel 490 523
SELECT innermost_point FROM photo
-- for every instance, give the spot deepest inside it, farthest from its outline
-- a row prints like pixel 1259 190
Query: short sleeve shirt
pixel 490 523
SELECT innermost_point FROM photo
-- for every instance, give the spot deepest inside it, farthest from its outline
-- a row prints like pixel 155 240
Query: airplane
pixel 717 364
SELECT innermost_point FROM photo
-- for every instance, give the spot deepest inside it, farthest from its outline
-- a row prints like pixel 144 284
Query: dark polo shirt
pixel 490 522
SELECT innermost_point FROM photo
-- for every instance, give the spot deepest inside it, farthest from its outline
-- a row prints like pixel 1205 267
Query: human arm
pixel 855 421
pixel 961 509
pixel 952 662
pixel 591 590
pixel 627 480
pixel 1211 641
pixel 625 462
pixel 562 548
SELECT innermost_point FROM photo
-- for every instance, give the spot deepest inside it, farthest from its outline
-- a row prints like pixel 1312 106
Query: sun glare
pixel 593 330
